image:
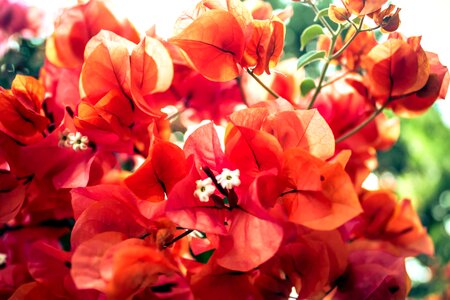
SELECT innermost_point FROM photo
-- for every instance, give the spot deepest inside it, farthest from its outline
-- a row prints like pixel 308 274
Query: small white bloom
pixel 205 188
pixel 78 141
pixel 64 140
pixel 229 179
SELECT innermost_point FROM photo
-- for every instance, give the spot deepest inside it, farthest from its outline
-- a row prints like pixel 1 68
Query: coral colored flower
pixel 77 25
pixel 397 67
pixel 23 118
pixel 363 7
pixel 373 274
pixel 397 223
pixel 264 49
pixel 234 209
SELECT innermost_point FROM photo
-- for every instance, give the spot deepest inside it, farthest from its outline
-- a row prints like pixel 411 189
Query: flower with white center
pixel 229 179
pixel 205 188
pixel 78 141
pixel 64 140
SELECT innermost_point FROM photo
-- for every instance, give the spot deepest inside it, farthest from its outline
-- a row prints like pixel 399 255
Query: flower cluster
pixel 99 199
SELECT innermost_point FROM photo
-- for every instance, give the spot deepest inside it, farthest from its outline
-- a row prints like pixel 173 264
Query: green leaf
pixel 322 13
pixel 203 257
pixel 306 86
pixel 310 57
pixel 309 34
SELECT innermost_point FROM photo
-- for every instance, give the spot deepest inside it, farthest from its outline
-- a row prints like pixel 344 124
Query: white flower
pixel 228 179
pixel 78 141
pixel 205 188
pixel 64 139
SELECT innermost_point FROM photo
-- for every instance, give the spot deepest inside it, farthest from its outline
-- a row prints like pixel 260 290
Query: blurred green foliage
pixel 419 161
pixel 26 56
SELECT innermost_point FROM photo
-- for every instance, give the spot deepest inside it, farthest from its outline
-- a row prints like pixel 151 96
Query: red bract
pixel 317 194
pixel 350 96
pixel 363 7
pixel 434 89
pixel 264 48
pixel 77 26
pixel 117 266
pixel 396 223
pixel 375 275
pixel 232 219
pixel 22 115
pixel 12 195
pixel 163 168
pixel 397 67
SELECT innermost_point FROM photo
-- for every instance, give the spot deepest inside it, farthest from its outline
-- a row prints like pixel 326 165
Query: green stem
pixel 363 124
pixel 345 46
pixel 322 20
pixel 269 90
pixel 332 56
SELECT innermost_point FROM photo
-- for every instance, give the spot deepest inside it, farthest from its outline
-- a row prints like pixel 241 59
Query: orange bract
pixel 21 107
pixel 363 7
pixel 214 44
pixel 77 25
pixel 397 67
pixel 266 45
pixel 318 195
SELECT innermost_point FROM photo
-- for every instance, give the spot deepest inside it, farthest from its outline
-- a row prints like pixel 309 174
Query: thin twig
pixel 187 232
pixel 363 124
pixel 269 90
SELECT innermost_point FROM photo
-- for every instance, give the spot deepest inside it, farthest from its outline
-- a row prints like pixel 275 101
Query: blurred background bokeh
pixel 418 165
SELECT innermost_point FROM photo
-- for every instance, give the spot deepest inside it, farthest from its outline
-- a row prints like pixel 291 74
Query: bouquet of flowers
pixel 206 165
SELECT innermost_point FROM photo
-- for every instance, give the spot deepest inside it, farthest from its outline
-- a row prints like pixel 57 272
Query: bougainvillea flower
pixel 387 19
pixel 227 222
pixel 397 223
pixel 151 71
pixel 96 215
pixel 222 284
pixel 106 66
pixel 350 96
pixel 373 274
pixel 304 129
pixel 397 67
pixel 23 118
pixel 118 266
pixel 294 263
pixel 215 55
pixel 163 168
pixel 77 25
pixel 356 51
pixel 108 121
pixel 435 88
pixel 61 90
pixel 363 7
pixel 264 49
pixel 16 247
pixel 113 62
pixel 12 196
pixel 59 281
pixel 338 14
pixel 318 195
